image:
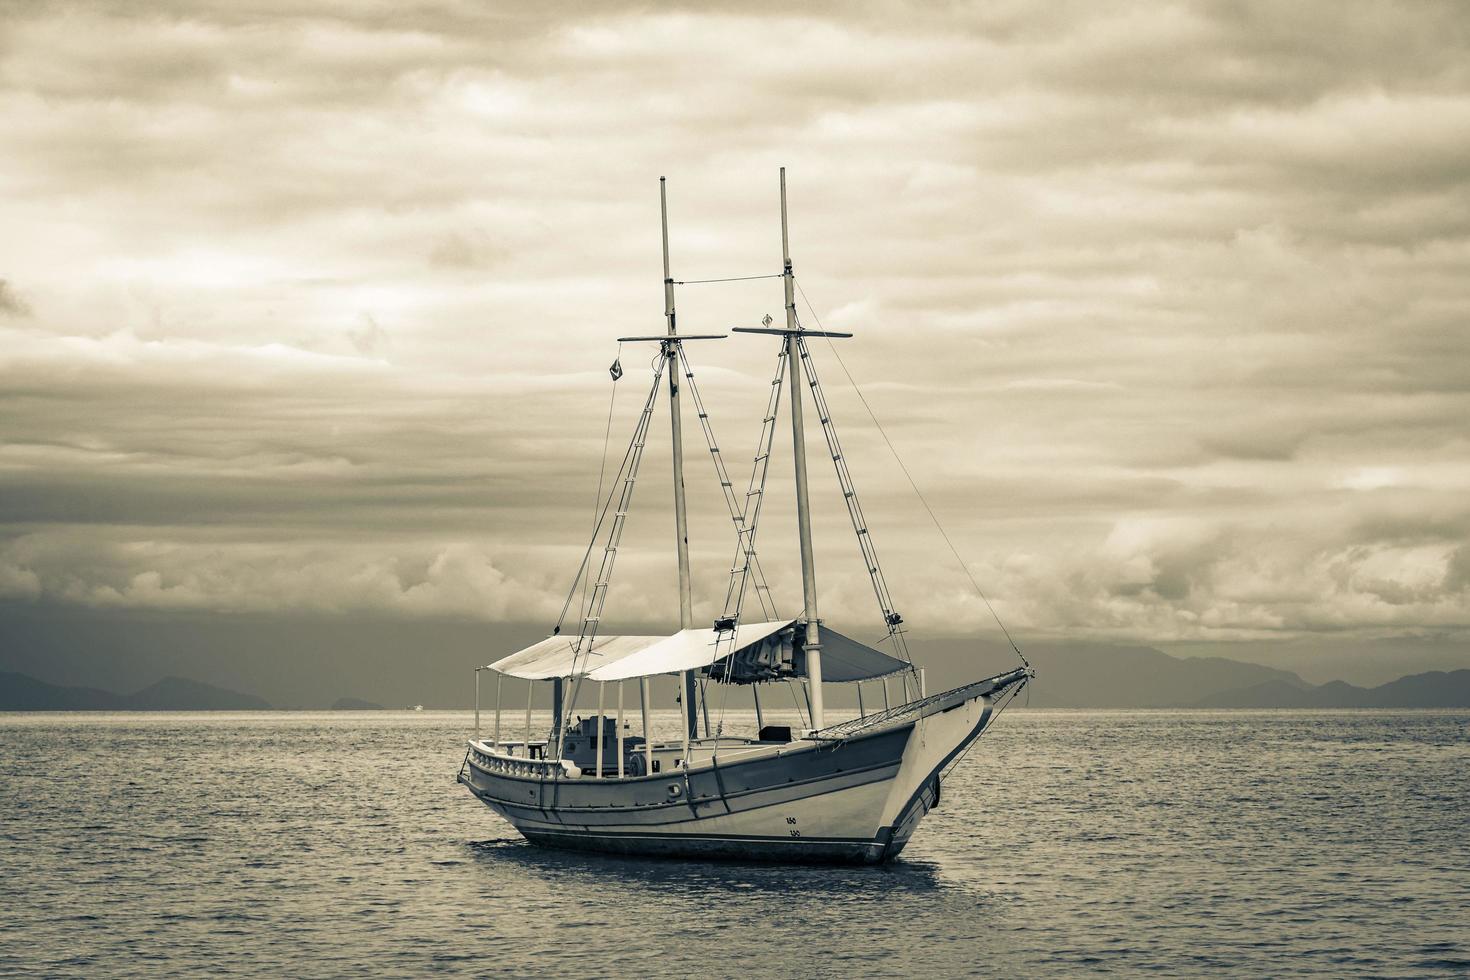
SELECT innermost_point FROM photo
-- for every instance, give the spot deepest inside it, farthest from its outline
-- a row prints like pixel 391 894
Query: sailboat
pixel 847 791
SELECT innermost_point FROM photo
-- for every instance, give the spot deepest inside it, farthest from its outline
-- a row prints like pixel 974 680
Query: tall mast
pixel 681 516
pixel 813 642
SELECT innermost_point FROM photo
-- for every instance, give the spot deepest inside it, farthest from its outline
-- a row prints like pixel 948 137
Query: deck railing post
pixel 499 678
pixel 600 727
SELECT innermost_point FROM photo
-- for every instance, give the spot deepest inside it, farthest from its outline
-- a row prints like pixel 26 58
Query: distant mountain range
pixel 21 693
pixel 311 662
pixel 1094 675
pixel 1434 689
pixel 1067 677
pixel 355 704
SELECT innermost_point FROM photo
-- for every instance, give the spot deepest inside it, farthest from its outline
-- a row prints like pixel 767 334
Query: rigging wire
pixel 909 476
pixel 696 282
pixel 740 515
pixel 602 466
pixel 866 545
pixel 592 616
pixel 994 717
pixel 628 455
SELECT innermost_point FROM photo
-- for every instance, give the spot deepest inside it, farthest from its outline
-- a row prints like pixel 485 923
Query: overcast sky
pixel 308 307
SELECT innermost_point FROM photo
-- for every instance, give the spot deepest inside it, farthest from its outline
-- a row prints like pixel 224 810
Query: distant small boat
pixel 415 707
pixel 851 791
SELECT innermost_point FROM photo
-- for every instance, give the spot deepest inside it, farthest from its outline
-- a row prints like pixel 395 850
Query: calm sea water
pixel 314 844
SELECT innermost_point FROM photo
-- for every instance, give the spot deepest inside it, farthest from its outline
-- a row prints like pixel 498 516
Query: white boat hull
pixel 852 799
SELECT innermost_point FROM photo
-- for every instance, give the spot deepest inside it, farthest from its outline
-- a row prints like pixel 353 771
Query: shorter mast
pixel 813 644
pixel 681 515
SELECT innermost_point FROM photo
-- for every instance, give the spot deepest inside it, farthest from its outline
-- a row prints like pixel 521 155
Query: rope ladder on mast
pixel 743 514
pixel 622 492
pixel 891 619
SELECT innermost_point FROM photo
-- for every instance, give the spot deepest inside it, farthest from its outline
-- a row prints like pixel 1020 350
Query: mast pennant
pixel 617 368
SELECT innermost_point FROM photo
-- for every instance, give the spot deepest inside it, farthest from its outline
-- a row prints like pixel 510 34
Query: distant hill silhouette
pixel 1097 675
pixel 354 704
pixel 1434 689
pixel 21 693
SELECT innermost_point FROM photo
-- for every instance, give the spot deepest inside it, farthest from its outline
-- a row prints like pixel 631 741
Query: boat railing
pixel 488 758
pixel 914 710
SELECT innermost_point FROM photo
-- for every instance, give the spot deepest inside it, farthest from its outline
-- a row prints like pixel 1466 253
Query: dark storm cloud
pixel 10 302
pixel 1164 305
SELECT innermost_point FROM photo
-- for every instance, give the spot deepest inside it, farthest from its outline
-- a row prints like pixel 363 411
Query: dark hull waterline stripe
pixel 816 850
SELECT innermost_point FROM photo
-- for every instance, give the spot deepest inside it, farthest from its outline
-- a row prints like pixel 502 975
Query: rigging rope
pixel 696 282
pixel 602 466
pixel 745 554
pixel 631 457
pixel 592 617
pixel 909 476
pixel 869 550
pixel 744 530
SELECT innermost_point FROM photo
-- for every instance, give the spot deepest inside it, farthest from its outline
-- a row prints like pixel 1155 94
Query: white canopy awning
pixel 615 658
pixel 553 657
pixel 686 650
pixel 619 657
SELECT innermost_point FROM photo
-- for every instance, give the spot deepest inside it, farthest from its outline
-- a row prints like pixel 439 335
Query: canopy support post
pixel 499 677
pixel 755 692
pixel 923 688
pixel 643 699
pixel 687 733
pixel 477 704
pixel 620 729
pixel 530 693
pixel 689 700
pixel 862 712
pixel 885 692
pixel 558 709
pixel 600 727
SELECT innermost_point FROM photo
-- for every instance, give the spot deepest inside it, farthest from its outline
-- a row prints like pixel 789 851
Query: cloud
pixel 1163 307
pixel 10 303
